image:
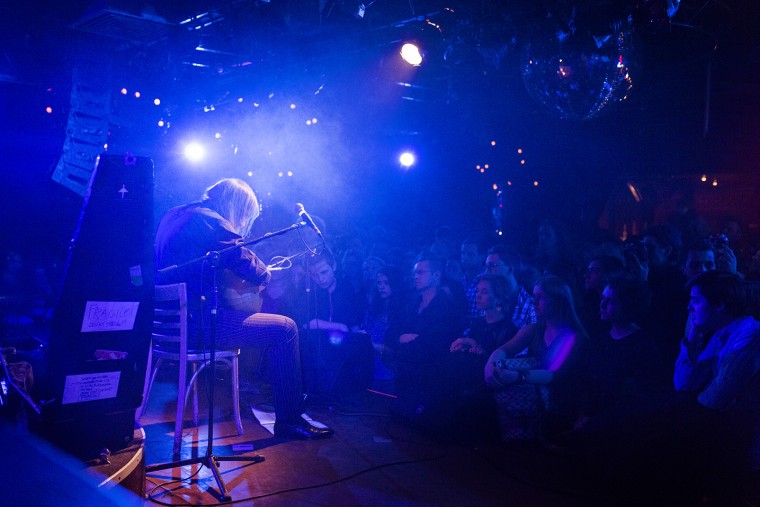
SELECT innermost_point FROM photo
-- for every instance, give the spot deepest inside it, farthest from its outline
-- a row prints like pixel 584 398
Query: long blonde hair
pixel 235 201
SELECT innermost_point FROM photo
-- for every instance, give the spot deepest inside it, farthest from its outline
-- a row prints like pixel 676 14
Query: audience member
pixel 385 305
pixel 668 314
pixel 627 376
pixel 555 253
pixel 337 359
pixel 601 270
pixel 719 363
pixel 519 302
pixel 472 265
pixel 420 339
pixel 542 398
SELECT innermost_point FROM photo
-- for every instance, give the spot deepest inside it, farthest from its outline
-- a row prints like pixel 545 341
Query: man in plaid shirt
pixel 471 257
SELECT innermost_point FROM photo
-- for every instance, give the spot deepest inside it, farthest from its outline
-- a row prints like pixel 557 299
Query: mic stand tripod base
pixel 212 463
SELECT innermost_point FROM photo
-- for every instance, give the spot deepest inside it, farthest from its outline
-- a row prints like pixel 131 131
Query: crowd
pixel 601 352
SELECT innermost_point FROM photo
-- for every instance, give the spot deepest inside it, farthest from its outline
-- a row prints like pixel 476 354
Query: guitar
pixel 240 295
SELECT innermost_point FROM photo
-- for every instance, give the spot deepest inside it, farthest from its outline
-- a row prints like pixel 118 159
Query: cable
pixel 170 492
pixel 300 488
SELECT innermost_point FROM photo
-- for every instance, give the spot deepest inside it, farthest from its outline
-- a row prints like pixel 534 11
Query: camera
pixel 718 241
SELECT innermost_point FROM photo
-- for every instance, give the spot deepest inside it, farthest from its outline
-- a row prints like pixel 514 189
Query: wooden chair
pixel 169 343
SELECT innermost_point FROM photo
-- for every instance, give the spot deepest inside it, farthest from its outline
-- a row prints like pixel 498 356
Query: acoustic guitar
pixel 238 294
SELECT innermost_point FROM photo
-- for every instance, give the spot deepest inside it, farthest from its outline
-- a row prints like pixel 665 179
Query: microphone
pixel 306 218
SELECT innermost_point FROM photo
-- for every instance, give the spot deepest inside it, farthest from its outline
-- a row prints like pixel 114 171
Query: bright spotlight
pixel 411 54
pixel 406 159
pixel 194 152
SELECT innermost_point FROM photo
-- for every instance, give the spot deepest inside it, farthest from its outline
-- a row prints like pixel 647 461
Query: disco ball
pixel 577 77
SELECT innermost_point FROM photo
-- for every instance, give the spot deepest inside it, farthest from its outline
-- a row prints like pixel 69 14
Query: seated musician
pixel 222 219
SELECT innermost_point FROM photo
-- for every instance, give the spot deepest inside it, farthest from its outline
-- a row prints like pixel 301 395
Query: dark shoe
pixel 300 429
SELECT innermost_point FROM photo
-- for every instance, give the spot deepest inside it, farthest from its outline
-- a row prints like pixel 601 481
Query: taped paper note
pixel 109 316
pixel 90 387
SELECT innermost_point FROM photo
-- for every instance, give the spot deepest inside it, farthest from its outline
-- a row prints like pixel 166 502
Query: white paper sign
pixel 109 316
pixel 90 387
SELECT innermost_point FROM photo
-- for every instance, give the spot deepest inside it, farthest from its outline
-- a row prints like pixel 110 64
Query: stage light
pixel 157 102
pixel 194 152
pixel 49 110
pixel 160 123
pixel 217 135
pixel 137 95
pixel 406 159
pixel 411 54
pixel 123 91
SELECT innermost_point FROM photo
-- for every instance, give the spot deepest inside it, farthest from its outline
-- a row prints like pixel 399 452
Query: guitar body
pixel 238 294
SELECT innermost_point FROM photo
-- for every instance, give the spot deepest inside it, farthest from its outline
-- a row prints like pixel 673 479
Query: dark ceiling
pixel 694 106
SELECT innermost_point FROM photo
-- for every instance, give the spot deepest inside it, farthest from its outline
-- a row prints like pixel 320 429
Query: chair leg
pixel 181 387
pixel 193 387
pixel 149 376
pixel 236 395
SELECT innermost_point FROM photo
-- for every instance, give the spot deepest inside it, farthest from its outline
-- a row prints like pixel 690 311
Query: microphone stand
pixel 211 460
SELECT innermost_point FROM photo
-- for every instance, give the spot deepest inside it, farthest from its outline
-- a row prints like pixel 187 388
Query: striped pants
pixel 279 335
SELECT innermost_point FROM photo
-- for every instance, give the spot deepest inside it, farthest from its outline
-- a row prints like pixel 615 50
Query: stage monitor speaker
pixel 100 330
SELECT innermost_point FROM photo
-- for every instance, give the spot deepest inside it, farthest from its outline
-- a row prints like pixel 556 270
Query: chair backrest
pixel 170 317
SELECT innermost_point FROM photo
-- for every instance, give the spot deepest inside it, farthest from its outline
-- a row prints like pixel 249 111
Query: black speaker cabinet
pixel 100 331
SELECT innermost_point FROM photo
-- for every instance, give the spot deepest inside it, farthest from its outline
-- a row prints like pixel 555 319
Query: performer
pixel 221 219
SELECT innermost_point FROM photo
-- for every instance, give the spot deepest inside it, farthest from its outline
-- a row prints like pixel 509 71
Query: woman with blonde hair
pixel 537 394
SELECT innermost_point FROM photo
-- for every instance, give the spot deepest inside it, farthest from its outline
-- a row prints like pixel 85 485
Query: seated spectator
pixel 668 314
pixel 627 377
pixel 555 253
pixel 485 333
pixel 336 359
pixel 472 265
pixel 601 270
pixel 555 343
pixel 416 343
pixel 385 305
pixel 719 363
pixel 499 261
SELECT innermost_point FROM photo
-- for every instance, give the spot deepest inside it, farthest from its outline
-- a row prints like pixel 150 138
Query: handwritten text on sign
pixel 90 387
pixel 109 316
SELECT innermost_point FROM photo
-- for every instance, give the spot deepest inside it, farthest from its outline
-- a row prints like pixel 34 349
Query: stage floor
pixel 372 460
